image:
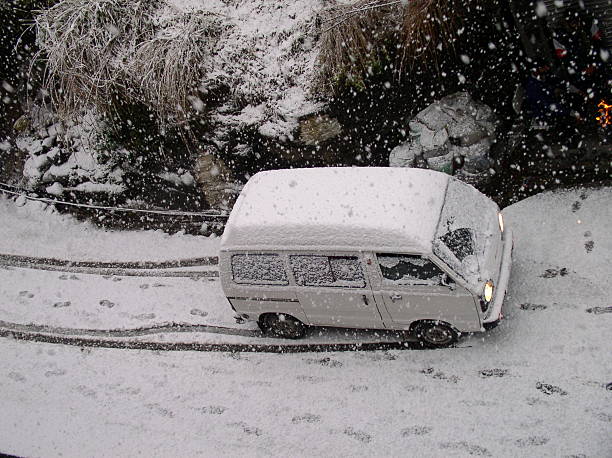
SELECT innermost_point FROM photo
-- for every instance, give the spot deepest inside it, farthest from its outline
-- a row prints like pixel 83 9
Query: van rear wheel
pixel 435 334
pixel 282 325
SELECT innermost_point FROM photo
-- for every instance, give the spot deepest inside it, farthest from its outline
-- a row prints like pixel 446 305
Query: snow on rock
pixel 454 127
pixel 267 56
pixel 55 189
pixel 106 188
pixel 70 155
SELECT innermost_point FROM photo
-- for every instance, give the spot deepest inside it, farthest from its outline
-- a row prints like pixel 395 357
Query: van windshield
pixel 467 224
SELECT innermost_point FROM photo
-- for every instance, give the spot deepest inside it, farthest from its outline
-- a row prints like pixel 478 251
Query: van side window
pixel 259 269
pixel 339 271
pixel 409 269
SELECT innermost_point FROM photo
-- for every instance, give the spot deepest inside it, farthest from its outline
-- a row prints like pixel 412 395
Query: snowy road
pixel 535 386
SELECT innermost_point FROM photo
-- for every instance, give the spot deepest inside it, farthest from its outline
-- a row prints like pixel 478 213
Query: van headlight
pixel 488 291
pixel 500 218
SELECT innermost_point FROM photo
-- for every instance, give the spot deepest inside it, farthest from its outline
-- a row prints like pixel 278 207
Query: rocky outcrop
pixel 216 180
pixel 453 135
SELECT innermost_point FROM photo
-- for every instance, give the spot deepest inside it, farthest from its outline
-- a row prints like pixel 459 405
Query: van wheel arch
pixel 281 325
pixel 435 333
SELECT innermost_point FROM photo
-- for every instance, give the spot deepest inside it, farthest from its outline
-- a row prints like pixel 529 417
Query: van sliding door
pixel 334 291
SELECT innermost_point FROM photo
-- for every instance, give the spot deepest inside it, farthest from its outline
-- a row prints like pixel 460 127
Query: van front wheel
pixel 282 325
pixel 434 334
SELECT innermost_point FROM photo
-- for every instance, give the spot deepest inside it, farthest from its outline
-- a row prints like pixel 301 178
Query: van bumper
pixel 495 312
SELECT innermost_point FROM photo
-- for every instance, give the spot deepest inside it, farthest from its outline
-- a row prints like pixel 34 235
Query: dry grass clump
pixel 105 52
pixel 84 40
pixel 429 28
pixel 167 67
pixel 355 36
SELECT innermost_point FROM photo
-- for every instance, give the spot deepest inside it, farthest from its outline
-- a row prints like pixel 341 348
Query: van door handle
pixel 365 299
pixel 396 297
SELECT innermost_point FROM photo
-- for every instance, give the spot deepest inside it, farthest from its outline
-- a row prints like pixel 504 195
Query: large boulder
pixel 454 131
pixel 217 181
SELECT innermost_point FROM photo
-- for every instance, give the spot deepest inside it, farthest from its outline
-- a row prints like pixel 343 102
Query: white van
pixel 377 248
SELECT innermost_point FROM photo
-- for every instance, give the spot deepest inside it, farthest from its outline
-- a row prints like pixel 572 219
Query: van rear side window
pixel 338 271
pixel 259 269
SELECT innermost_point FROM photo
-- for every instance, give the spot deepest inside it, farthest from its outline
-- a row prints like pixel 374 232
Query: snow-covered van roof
pixel 367 208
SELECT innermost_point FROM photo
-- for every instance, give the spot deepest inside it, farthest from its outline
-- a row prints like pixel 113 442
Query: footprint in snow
pixel 576 206
pixel 589 245
pixel 530 306
pixel 16 376
pixel 26 294
pixel 62 304
pixel 306 418
pixel 106 303
pixel 361 436
pixel 250 430
pixel 430 371
pixel 532 441
pixel 144 316
pixel 470 449
pixel 144 286
pixel 552 273
pixel 164 412
pixel 55 373
pixel 85 391
pixel 358 388
pixel 599 310
pixel 550 389
pixel 212 410
pixel 198 312
pixel 310 379
pixel 494 372
pixel 416 431
pixel 327 362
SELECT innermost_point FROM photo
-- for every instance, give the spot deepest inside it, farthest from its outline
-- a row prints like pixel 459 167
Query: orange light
pixel 605 117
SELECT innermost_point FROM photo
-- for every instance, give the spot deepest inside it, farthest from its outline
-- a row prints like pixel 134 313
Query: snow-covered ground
pixel 34 229
pixel 534 386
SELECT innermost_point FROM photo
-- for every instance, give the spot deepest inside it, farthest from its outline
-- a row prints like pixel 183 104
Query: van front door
pixel 414 288
pixel 333 291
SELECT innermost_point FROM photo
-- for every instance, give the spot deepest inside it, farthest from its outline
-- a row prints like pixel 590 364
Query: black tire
pixel 435 334
pixel 282 325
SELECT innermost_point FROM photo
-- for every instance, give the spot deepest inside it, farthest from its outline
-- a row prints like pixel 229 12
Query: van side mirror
pixel 449 282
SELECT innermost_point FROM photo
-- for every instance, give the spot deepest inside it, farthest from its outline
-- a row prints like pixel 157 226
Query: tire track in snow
pixel 92 338
pixel 129 269
pixel 191 262
pixel 134 332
